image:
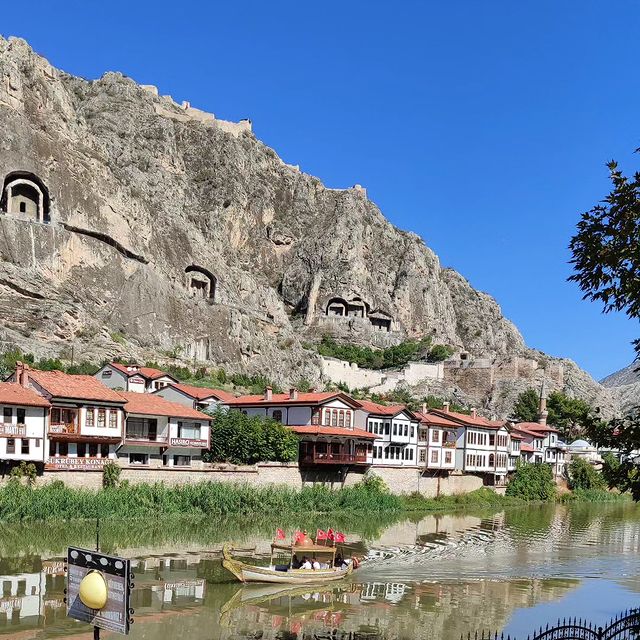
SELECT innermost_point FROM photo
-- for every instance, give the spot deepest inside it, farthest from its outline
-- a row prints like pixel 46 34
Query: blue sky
pixel 482 126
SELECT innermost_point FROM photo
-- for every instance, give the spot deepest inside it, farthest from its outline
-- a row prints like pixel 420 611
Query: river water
pixel 433 577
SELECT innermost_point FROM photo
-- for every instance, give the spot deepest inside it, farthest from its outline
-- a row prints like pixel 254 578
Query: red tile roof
pixel 515 436
pixel 64 385
pixel 436 420
pixel 202 393
pixel 285 398
pixel 468 420
pixel 313 430
pixel 15 394
pixel 527 447
pixel 145 372
pixel 527 432
pixel 149 404
pixel 383 409
pixel 536 426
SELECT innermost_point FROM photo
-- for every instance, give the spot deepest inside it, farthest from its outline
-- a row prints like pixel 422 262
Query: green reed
pixel 57 501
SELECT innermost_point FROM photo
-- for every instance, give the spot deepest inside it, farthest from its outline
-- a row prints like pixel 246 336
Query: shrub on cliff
pixel 242 439
pixel 532 482
pixel 396 356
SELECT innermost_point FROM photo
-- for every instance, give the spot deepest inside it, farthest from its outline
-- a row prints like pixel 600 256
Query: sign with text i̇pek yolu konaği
pixel 114 574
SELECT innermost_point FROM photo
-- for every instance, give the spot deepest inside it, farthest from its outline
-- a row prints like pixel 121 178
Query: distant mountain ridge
pixel 628 375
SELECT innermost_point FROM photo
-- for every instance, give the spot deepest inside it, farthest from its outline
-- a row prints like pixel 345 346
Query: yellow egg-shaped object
pixel 93 590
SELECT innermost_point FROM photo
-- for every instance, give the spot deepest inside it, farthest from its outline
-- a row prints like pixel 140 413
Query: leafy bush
pixel 440 352
pixel 9 358
pixel 617 475
pixel 111 475
pixel 594 495
pixel 480 499
pixel 582 475
pixel 532 482
pixel 25 470
pixel 396 356
pixel 243 439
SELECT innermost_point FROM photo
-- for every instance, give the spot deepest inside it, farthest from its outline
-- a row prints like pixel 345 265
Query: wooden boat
pixel 285 574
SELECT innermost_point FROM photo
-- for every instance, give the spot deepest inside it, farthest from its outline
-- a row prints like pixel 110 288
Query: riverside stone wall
pixel 398 479
pixel 407 480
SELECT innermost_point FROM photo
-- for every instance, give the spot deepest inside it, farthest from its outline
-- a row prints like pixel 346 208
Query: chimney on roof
pixel 445 407
pixel 293 393
pixel 424 407
pixel 268 394
pixel 22 373
pixel 474 413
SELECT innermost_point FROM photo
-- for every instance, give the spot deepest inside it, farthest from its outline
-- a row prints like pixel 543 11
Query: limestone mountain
pixel 625 384
pixel 628 375
pixel 132 225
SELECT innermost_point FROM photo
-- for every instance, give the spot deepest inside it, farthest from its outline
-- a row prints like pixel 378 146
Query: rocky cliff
pixel 151 229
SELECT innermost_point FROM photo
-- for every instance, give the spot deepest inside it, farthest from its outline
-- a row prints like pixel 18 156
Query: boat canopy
pixel 304 548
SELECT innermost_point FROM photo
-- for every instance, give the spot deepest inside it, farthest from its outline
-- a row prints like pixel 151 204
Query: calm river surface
pixel 436 577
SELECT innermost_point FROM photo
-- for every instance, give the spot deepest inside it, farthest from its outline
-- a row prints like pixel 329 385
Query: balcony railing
pixel 10 430
pixel 136 438
pixel 64 428
pixel 333 458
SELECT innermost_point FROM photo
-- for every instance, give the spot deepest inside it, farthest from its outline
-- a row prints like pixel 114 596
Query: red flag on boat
pixel 280 535
pixel 330 535
pixel 340 537
pixel 298 537
pixel 321 535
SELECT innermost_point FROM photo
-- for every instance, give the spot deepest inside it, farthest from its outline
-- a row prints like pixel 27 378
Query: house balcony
pixel 142 440
pixel 63 428
pixel 71 432
pixel 333 458
pixel 10 430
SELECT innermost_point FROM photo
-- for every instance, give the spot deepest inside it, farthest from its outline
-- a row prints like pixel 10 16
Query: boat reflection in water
pixel 291 604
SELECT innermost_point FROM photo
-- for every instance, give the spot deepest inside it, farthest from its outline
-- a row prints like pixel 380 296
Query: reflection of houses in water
pixel 21 598
pixel 390 591
pixel 164 585
pixel 167 581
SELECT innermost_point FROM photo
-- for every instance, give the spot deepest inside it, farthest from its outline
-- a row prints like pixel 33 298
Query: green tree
pixel 243 439
pixel 616 474
pixel 605 254
pixel 606 248
pixel 532 482
pixel 583 475
pixel 527 406
pixel 569 415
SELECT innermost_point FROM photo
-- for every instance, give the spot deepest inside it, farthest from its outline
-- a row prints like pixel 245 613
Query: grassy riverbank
pixel 55 501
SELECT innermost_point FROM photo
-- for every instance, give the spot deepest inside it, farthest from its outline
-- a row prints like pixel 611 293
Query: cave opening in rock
pixel 337 307
pixel 380 321
pixel 201 283
pixel 25 196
